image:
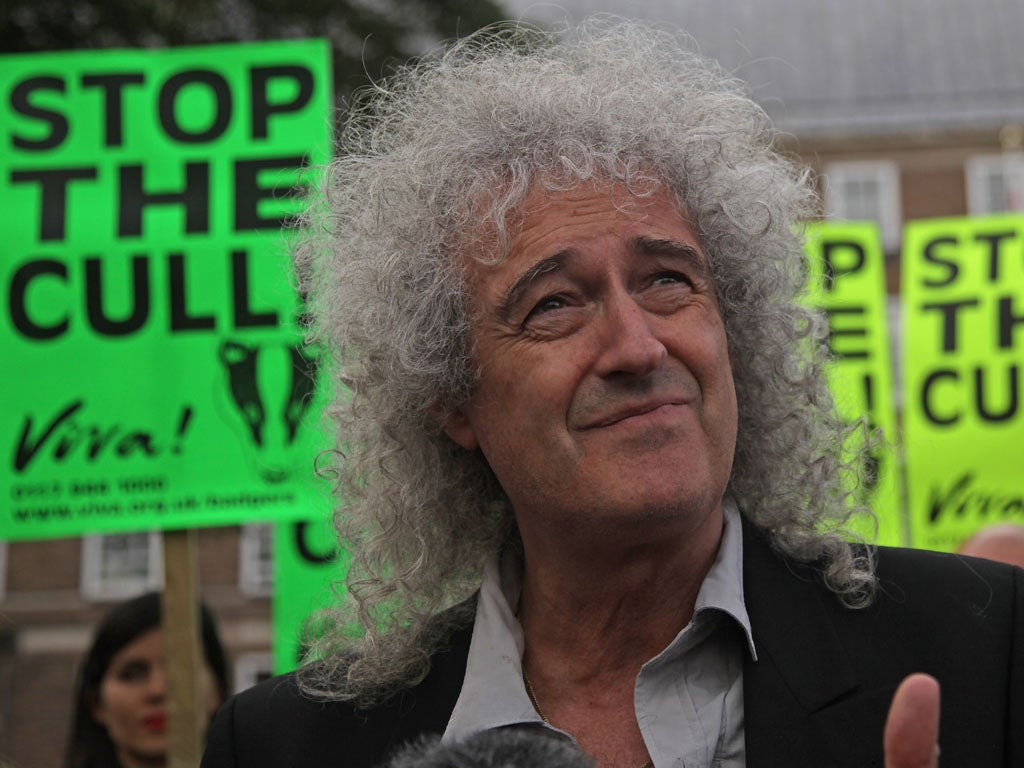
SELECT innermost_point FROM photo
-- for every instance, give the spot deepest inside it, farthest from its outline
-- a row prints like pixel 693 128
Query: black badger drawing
pixel 271 388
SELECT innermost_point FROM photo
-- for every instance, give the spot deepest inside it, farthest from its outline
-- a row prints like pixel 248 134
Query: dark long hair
pixel 90 745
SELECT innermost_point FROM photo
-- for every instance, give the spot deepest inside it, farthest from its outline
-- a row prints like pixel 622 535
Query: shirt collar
pixel 723 585
pixel 493 694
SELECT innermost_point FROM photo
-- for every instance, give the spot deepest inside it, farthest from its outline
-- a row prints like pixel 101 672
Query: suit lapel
pixel 802 700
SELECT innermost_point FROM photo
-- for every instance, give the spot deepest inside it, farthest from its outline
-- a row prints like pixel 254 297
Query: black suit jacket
pixel 817 695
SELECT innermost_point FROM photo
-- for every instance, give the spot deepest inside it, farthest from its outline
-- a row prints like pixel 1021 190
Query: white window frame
pixel 256 560
pixel 887 176
pixel 97 586
pixel 250 666
pixel 981 168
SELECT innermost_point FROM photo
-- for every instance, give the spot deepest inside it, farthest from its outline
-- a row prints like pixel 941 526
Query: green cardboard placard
pixel 153 377
pixel 846 268
pixel 963 351
pixel 307 565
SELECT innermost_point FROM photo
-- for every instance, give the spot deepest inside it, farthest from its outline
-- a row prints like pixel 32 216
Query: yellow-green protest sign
pixel 307 565
pixel 846 269
pixel 963 353
pixel 153 372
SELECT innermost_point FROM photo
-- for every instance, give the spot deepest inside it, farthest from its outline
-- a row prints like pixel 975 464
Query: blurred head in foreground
pixel 1003 542
pixel 506 748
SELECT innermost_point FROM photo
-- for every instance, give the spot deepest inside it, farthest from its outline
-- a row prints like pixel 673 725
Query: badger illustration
pixel 270 388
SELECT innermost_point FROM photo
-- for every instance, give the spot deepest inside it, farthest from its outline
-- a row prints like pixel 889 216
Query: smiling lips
pixel 640 409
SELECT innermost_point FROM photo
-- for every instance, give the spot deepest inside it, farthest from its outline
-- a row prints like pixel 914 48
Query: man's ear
pixel 456 425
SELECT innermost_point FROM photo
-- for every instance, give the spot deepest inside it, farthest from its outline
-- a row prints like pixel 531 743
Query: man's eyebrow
pixel 518 288
pixel 654 246
pixel 641 245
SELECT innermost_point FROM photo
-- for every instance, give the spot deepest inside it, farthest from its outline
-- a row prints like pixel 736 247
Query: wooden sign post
pixel 187 717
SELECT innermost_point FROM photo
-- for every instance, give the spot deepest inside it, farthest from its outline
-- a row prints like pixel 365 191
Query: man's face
pixel 605 394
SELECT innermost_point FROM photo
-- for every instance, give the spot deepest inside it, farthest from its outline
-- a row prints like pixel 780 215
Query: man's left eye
pixel 548 304
pixel 668 278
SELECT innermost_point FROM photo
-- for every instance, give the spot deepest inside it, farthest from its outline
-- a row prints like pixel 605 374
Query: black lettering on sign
pixel 195 198
pixel 995 241
pixel 53 186
pixel 932 256
pixel 20 282
pixel 98 303
pixel 982 395
pixel 987 405
pixel 950 311
pixel 928 398
pixel 838 335
pixel 249 191
pixel 274 90
pixel 869 392
pixel 259 90
pixel 99 318
pixel 1008 322
pixel 168 111
pixel 835 266
pixel 21 102
pixel 113 84
pixel 66 435
pixel 300 531
pixel 962 499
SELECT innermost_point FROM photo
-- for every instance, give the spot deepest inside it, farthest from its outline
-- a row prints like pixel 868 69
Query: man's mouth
pixel 632 411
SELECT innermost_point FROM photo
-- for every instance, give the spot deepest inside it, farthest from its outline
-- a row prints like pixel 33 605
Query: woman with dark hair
pixel 120 714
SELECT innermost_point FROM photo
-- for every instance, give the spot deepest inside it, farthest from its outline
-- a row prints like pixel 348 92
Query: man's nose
pixel 629 341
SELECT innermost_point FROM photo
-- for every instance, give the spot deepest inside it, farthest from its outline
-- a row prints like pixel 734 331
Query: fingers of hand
pixel 912 728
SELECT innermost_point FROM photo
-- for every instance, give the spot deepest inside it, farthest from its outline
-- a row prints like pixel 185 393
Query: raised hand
pixel 912 728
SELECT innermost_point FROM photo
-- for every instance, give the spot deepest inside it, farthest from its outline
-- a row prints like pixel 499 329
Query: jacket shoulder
pixel 277 724
pixel 948 586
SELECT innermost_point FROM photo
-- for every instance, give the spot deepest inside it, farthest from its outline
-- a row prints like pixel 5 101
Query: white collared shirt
pixel 688 698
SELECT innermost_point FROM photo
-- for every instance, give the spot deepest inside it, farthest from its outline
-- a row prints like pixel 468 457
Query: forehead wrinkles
pixel 496 215
pixel 597 208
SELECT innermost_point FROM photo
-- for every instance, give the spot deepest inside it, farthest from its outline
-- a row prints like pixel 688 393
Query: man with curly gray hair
pixel 588 467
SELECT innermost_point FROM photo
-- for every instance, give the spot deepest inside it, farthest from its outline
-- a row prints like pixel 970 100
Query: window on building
pixel 252 668
pixel 995 183
pixel 119 566
pixel 256 560
pixel 866 191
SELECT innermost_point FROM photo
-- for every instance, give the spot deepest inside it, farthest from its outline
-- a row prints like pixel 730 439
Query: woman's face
pixel 132 703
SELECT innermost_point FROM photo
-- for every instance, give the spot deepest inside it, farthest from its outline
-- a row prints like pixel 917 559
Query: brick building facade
pixel 53 596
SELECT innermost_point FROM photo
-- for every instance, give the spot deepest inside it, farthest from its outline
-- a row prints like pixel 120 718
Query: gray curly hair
pixel 451 145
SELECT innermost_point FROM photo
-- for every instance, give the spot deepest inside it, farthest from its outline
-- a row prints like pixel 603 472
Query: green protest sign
pixel 846 269
pixel 963 352
pixel 153 376
pixel 307 562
